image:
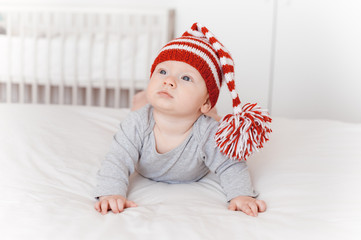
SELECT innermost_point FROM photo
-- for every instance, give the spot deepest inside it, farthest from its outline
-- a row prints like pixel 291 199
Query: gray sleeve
pixel 234 175
pixel 120 161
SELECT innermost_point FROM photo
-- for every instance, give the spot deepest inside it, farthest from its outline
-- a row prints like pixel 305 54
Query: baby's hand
pixel 248 205
pixel 116 203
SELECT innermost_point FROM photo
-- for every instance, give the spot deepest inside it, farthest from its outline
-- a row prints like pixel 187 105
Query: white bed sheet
pixel 309 175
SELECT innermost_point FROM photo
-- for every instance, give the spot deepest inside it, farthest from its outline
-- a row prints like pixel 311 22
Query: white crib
pixel 78 56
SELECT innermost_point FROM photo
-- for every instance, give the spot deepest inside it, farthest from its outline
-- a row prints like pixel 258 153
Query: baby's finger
pixel 261 205
pixel 104 207
pixel 113 205
pixel 232 206
pixel 254 208
pixel 247 210
pixel 97 206
pixel 129 204
pixel 120 204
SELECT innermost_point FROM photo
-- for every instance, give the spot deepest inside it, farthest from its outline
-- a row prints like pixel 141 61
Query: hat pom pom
pixel 239 134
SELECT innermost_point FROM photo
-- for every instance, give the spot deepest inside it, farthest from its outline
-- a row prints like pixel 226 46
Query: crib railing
pixel 78 56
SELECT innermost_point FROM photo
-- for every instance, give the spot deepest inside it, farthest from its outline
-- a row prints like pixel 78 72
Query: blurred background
pixel 298 58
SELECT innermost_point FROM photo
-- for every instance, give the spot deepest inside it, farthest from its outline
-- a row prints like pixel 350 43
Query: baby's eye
pixel 163 72
pixel 186 78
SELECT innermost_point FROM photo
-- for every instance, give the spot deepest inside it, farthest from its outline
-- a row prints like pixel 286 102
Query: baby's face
pixel 177 87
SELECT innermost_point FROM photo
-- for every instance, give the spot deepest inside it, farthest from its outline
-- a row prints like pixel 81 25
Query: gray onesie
pixel 133 149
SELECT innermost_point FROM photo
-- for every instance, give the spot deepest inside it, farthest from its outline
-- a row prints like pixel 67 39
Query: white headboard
pixel 79 56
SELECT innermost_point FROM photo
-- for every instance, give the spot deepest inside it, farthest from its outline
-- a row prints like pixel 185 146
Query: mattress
pixel 308 174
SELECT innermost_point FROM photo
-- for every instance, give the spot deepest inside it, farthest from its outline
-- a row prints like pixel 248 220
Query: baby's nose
pixel 170 81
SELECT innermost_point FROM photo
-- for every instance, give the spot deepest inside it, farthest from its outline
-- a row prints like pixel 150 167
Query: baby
pixel 172 140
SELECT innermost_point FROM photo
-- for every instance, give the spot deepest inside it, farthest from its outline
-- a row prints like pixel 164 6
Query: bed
pixel 309 175
pixel 55 130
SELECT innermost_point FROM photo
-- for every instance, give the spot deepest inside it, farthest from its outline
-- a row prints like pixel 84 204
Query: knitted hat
pixel 242 132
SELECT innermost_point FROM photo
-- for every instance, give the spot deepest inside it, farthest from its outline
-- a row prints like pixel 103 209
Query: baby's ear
pixel 206 107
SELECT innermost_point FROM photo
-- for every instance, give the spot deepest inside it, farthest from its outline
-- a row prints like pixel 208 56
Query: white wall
pixel 315 71
pixel 318 60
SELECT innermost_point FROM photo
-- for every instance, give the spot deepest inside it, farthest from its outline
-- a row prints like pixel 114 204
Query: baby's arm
pixel 234 177
pixel 119 163
pixel 248 205
pixel 116 203
pixel 236 183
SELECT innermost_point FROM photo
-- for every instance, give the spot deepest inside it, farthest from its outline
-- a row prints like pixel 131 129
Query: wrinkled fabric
pixel 308 174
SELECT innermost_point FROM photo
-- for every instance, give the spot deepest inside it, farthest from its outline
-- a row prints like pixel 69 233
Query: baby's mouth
pixel 165 94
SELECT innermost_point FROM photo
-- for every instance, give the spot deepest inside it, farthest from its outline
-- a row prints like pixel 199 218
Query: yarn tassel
pixel 240 134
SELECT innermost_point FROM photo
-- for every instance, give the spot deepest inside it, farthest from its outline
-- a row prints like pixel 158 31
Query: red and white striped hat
pixel 242 132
